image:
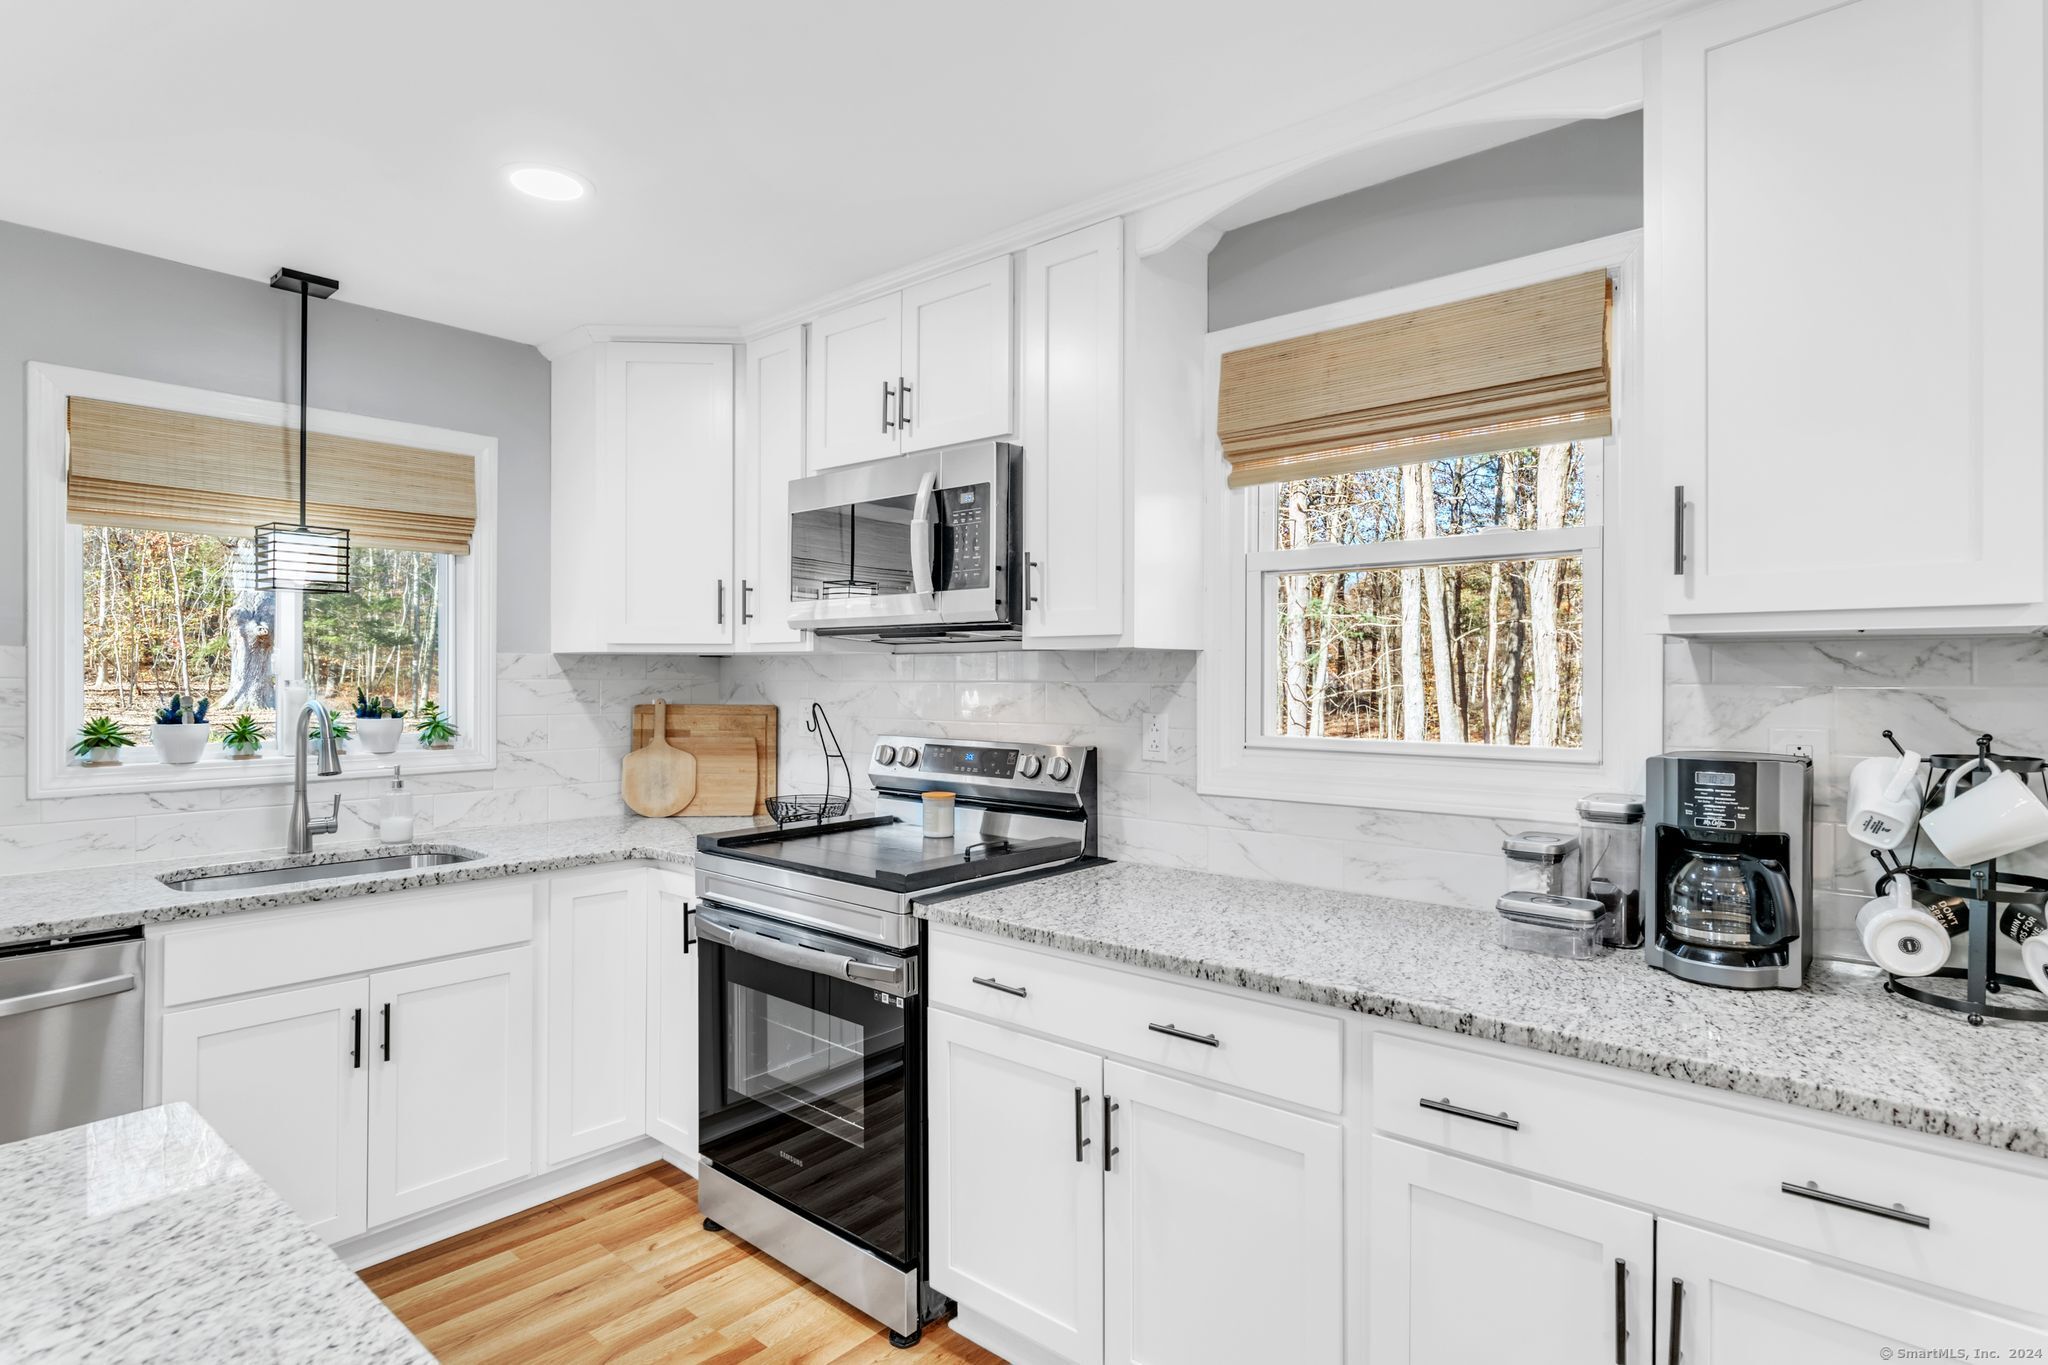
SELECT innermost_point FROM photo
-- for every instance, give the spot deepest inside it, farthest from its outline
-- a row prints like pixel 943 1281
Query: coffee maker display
pixel 1726 842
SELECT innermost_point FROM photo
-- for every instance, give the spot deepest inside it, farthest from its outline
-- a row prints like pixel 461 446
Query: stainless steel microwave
pixel 908 550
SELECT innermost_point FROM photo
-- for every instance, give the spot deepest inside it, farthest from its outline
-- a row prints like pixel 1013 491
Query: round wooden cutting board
pixel 658 780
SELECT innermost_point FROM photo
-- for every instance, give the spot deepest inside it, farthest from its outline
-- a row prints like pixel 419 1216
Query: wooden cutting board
pixel 735 751
pixel 658 780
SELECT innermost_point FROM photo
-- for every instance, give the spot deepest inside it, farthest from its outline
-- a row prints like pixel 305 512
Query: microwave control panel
pixel 963 515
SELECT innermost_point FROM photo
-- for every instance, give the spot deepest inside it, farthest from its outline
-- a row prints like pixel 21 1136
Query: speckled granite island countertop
pixel 89 900
pixel 145 1238
pixel 1842 1045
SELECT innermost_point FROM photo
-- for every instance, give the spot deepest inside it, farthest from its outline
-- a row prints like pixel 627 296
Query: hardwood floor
pixel 624 1271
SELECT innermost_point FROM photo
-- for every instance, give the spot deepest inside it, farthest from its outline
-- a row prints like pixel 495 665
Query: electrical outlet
pixel 1155 738
pixel 1813 743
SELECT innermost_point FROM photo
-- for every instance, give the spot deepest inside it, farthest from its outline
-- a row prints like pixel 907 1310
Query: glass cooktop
pixel 888 853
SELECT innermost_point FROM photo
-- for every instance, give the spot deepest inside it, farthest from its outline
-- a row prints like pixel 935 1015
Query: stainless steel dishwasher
pixel 70 1032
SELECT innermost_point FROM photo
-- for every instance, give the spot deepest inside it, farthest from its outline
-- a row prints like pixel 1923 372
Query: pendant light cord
pixel 305 303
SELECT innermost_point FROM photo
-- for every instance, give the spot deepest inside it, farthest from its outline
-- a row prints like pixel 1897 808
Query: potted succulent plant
pixel 244 737
pixel 181 730
pixel 379 723
pixel 343 732
pixel 436 730
pixel 100 741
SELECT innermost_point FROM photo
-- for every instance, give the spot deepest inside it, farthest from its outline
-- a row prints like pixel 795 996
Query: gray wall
pixel 1571 184
pixel 70 302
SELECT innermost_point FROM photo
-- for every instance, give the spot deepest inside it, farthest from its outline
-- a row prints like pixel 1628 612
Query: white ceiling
pixel 746 157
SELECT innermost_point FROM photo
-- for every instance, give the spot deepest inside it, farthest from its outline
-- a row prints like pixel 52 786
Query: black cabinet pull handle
pixel 1081 1138
pixel 746 599
pixel 1109 1147
pixel 1678 530
pixel 1500 1120
pixel 1030 597
pixel 1677 1319
pixel 888 393
pixel 1019 991
pixel 1620 1311
pixel 1896 1212
pixel 903 403
pixel 688 910
pixel 721 601
pixel 355 1048
pixel 387 1030
pixel 1205 1039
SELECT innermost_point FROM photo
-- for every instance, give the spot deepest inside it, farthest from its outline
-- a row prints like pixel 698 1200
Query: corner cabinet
pixel 1848 324
pixel 642 498
pixel 927 367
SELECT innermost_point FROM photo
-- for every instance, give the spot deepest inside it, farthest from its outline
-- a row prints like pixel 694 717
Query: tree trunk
pixel 178 618
pixel 1450 723
pixel 1414 715
pixel 1319 688
pixel 252 624
pixel 1296 588
pixel 1545 704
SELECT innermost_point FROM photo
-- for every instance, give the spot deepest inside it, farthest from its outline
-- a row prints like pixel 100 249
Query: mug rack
pixel 1984 890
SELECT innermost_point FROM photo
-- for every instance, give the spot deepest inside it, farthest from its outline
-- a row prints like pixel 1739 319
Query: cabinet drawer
pixel 234 954
pixel 1718 1163
pixel 1271 1049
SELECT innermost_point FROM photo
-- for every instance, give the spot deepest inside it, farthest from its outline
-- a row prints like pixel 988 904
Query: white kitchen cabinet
pixel 927 367
pixel 1847 329
pixel 1223 1227
pixel 1561 1277
pixel 856 362
pixel 672 1033
pixel 1734 1302
pixel 451 1104
pixel 1016 1182
pixel 772 454
pixel 284 1078
pixel 959 378
pixel 1110 422
pixel 596 1013
pixel 642 520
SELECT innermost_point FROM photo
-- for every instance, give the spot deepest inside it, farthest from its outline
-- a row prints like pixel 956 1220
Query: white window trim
pixel 1234 756
pixel 55 598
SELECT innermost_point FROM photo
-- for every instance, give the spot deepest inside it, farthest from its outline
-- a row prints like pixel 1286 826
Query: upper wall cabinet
pixel 928 367
pixel 1111 431
pixel 771 455
pixel 642 498
pixel 1847 325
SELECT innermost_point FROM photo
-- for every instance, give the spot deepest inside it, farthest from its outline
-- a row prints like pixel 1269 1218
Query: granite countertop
pixel 145 1238
pixel 89 900
pixel 1841 1045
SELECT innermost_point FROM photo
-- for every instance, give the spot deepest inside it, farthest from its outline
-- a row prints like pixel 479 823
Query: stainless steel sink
pixel 295 871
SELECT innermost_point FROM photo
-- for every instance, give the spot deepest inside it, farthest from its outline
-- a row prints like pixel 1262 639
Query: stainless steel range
pixel 812 1007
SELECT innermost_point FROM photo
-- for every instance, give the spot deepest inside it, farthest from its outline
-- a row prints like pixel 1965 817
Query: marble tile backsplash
pixel 1936 695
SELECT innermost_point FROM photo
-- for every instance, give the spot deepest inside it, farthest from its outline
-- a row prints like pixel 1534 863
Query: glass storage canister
pixel 1540 861
pixel 1562 926
pixel 1611 862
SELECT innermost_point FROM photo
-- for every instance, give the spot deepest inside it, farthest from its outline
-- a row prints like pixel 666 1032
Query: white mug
pixel 1884 799
pixel 1900 935
pixel 1998 816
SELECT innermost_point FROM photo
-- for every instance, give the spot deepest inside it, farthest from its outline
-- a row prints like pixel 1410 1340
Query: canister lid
pixel 1562 912
pixel 1538 846
pixel 1612 808
pixel 938 796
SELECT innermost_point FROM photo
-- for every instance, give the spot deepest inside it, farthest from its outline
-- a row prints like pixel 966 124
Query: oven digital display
pixel 964 762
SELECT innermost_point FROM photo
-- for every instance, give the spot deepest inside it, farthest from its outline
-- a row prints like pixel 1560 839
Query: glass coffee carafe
pixel 1729 900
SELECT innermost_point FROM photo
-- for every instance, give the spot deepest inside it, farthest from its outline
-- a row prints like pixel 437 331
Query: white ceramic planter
pixel 101 758
pixel 380 735
pixel 180 743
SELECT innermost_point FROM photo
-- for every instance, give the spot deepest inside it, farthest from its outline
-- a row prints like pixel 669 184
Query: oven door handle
pixel 895 978
pixel 921 534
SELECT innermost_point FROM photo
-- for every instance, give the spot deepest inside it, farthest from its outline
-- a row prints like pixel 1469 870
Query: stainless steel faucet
pixel 302 827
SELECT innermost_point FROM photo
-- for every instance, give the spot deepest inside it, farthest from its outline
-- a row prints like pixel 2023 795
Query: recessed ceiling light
pixel 545 182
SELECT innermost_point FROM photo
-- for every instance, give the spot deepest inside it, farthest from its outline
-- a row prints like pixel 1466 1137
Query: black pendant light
pixel 299 557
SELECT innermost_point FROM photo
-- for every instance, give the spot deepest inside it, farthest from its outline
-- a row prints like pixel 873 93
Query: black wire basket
pixel 798 807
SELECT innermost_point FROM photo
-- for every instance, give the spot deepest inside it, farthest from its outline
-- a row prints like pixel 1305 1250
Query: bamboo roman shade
pixel 1524 367
pixel 180 471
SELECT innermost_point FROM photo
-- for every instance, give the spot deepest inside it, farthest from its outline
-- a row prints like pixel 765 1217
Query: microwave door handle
pixel 921 535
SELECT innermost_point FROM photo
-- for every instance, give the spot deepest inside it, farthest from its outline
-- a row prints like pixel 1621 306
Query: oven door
pixel 920 540
pixel 811 1074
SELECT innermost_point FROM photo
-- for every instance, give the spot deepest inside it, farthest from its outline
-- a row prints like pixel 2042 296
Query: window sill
pixel 142 772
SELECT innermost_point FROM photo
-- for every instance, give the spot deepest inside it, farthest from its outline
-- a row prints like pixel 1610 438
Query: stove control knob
pixel 1059 770
pixel 908 756
pixel 885 754
pixel 1030 765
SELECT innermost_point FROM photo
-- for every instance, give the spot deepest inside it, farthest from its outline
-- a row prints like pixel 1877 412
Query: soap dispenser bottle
pixel 394 821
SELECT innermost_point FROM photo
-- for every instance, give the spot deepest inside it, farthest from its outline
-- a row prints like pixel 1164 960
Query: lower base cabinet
pixel 672 1097
pixel 1106 1213
pixel 1567 1277
pixel 1732 1302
